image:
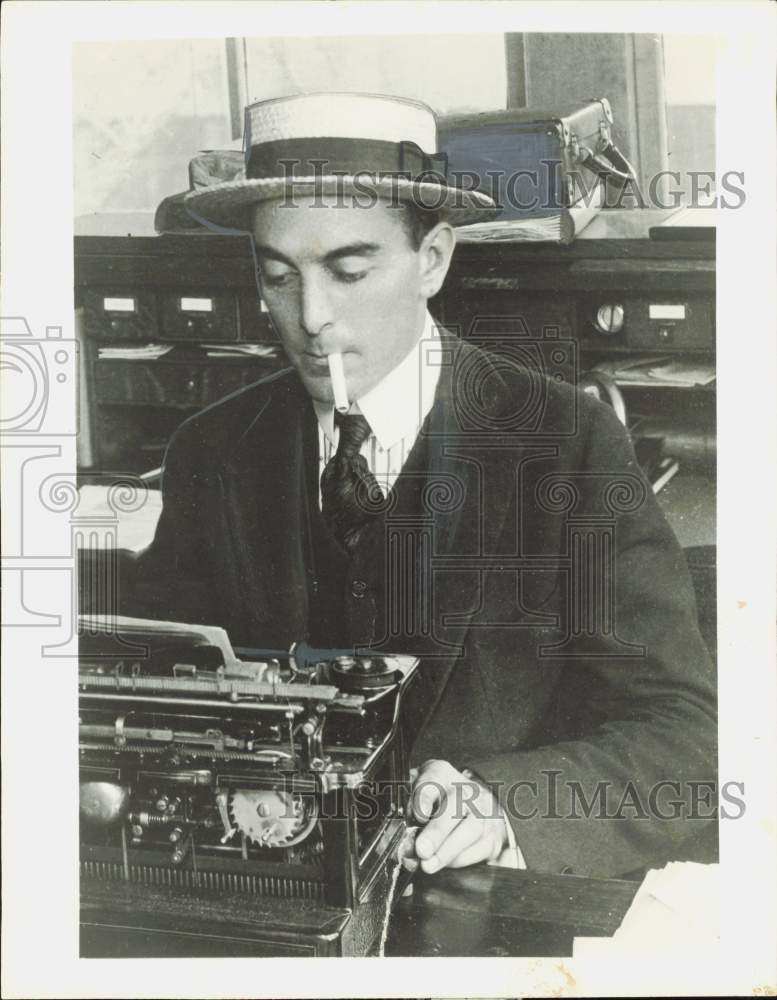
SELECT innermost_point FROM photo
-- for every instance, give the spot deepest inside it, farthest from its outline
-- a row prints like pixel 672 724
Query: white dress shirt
pixel 395 409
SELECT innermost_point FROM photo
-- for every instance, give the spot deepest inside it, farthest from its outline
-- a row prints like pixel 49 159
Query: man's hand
pixel 462 821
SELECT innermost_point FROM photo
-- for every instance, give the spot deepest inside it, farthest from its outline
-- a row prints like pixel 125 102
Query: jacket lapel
pixel 465 494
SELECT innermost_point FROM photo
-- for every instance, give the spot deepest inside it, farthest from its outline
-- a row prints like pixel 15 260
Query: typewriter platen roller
pixel 256 801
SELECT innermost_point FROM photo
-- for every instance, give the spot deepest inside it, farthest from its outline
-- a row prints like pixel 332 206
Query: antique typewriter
pixel 236 806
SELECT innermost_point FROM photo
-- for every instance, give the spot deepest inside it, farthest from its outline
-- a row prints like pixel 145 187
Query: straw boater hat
pixel 363 145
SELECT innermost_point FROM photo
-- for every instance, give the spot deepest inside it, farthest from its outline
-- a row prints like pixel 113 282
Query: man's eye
pixel 349 277
pixel 277 280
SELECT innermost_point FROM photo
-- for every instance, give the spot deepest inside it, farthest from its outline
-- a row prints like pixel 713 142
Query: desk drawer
pixel 198 315
pixel 160 383
pixel 253 317
pixel 506 312
pixel 663 322
pixel 528 328
pixel 120 314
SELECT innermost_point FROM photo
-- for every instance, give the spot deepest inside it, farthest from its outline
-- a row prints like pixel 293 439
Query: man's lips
pixel 315 361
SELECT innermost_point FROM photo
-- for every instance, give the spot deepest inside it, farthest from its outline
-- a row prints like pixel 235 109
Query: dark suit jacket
pixel 563 662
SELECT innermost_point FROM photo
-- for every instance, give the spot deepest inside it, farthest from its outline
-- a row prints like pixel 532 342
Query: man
pixel 466 508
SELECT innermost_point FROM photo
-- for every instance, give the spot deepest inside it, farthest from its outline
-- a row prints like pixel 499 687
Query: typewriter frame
pixel 135 903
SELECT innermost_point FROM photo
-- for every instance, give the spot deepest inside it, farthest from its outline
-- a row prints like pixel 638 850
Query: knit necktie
pixel 350 495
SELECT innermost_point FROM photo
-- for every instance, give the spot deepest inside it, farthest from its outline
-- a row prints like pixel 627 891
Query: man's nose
pixel 315 310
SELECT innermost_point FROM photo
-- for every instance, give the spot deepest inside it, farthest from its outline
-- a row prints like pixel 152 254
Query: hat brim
pixel 228 206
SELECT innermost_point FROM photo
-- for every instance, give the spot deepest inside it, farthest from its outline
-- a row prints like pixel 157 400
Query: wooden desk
pixel 498 912
pixel 472 912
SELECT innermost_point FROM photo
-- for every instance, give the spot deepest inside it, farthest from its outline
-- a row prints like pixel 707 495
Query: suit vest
pixel 369 596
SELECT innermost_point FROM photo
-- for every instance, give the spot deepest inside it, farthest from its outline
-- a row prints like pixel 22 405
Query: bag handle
pixel 609 163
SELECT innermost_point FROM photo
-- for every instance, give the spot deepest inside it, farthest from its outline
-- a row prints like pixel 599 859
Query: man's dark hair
pixel 417 221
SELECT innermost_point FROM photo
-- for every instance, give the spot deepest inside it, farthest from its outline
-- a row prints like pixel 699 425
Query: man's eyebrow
pixel 271 254
pixel 361 249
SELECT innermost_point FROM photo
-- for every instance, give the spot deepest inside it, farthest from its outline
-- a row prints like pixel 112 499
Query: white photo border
pixel 40 883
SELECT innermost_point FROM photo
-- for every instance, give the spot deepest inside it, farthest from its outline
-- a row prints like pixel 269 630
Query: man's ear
pixel 435 255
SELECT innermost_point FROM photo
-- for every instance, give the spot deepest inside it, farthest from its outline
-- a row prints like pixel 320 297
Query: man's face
pixel 342 278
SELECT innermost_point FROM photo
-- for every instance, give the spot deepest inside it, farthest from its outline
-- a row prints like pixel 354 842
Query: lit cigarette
pixel 339 388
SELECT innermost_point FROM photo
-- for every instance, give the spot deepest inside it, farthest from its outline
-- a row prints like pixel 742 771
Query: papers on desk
pixel 657 371
pixel 241 350
pixel 675 908
pixel 558 227
pixel 150 352
pixel 142 352
pixel 135 527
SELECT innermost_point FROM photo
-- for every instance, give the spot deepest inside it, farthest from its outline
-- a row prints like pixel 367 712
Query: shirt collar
pixel 398 405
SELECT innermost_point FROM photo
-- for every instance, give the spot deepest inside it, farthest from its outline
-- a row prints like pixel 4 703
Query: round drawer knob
pixel 609 318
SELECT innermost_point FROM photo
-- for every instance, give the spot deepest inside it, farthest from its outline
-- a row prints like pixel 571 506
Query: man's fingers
pixel 466 835
pixel 428 796
pixel 456 833
pixel 447 816
pixel 437 773
pixel 433 780
pixel 485 849
pixel 461 817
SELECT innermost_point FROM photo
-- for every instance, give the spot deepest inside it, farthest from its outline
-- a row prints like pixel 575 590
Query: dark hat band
pixel 291 159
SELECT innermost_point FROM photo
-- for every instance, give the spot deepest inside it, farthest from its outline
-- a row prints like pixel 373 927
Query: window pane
pixel 141 110
pixel 449 72
pixel 689 86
